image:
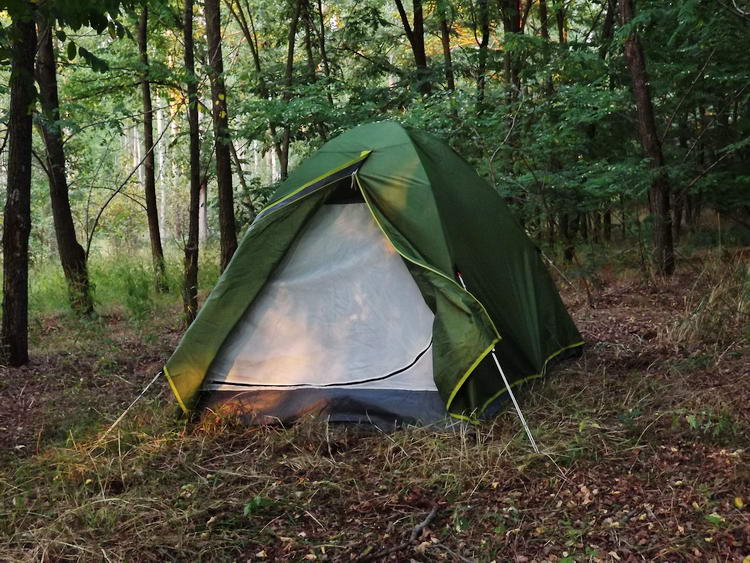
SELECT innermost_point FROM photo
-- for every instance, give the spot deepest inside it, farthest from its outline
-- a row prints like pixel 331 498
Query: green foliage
pixel 563 150
pixel 256 505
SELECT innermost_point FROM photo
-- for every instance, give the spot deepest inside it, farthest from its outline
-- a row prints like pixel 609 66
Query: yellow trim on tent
pixel 463 417
pixel 361 156
pixel 174 390
pixel 531 377
pixel 422 264
pixel 468 372
pixel 497 339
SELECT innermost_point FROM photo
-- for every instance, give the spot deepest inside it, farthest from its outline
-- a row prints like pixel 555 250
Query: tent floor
pixel 385 408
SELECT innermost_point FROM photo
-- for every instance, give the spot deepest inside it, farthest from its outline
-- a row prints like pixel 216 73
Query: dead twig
pixel 412 537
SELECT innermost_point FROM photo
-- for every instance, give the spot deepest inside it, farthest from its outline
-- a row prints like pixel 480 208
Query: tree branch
pixel 90 237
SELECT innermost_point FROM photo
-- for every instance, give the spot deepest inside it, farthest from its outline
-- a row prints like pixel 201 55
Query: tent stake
pixel 507 386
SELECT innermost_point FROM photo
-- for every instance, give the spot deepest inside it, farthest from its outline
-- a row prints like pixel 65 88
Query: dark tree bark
pixel 322 45
pixel 607 225
pixel 415 35
pixel 663 251
pixel 562 30
pixel 544 19
pixel 445 38
pixel 190 288
pixel 484 26
pixel 607 33
pixel 152 210
pixel 312 62
pixel 72 255
pixel 227 227
pixel 679 195
pixel 288 79
pixel 512 24
pixel 14 344
pixel 608 28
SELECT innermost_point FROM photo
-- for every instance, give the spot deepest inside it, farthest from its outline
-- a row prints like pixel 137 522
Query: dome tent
pixel 343 296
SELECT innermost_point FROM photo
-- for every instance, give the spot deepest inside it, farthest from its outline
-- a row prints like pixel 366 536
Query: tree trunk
pixel 190 288
pixel 322 47
pixel 544 31
pixel 445 38
pixel 608 28
pixel 283 154
pixel 227 228
pixel 245 22
pixel 14 344
pixel 512 24
pixel 312 63
pixel 562 31
pixel 679 194
pixel 149 180
pixel 484 25
pixel 415 35
pixel 608 225
pixel 663 255
pixel 72 255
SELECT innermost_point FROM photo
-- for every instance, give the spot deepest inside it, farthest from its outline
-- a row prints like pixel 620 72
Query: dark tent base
pixel 385 409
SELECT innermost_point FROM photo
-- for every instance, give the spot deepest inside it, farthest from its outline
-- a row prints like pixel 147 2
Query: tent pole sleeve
pixel 507 386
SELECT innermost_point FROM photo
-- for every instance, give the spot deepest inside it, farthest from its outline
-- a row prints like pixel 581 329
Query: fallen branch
pixel 412 538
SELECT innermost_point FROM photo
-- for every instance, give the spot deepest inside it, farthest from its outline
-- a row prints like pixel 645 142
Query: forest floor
pixel 645 450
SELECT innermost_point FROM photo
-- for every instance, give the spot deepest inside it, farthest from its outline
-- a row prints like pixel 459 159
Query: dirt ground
pixel 644 452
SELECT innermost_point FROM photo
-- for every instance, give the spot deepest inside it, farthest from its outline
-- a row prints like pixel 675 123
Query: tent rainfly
pixel 346 296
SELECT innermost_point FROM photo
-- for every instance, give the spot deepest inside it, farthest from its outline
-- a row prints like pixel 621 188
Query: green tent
pixel 345 295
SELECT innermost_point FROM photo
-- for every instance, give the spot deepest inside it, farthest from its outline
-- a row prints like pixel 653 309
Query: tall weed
pixel 717 309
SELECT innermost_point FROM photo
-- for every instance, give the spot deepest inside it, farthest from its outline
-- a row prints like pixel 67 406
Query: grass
pixel 121 283
pixel 644 449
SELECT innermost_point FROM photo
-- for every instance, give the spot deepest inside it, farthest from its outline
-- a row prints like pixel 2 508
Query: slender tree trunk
pixel 14 344
pixel 72 255
pixel 484 26
pixel 149 184
pixel 544 19
pixel 288 78
pixel 312 62
pixel 445 38
pixel 544 31
pixel 227 226
pixel 190 288
pixel 607 220
pixel 245 22
pixel 679 194
pixel 562 30
pixel 415 35
pixel 248 200
pixel 512 24
pixel 663 256
pixel 322 47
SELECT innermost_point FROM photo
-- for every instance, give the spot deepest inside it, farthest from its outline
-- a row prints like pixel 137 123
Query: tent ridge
pixel 325 179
